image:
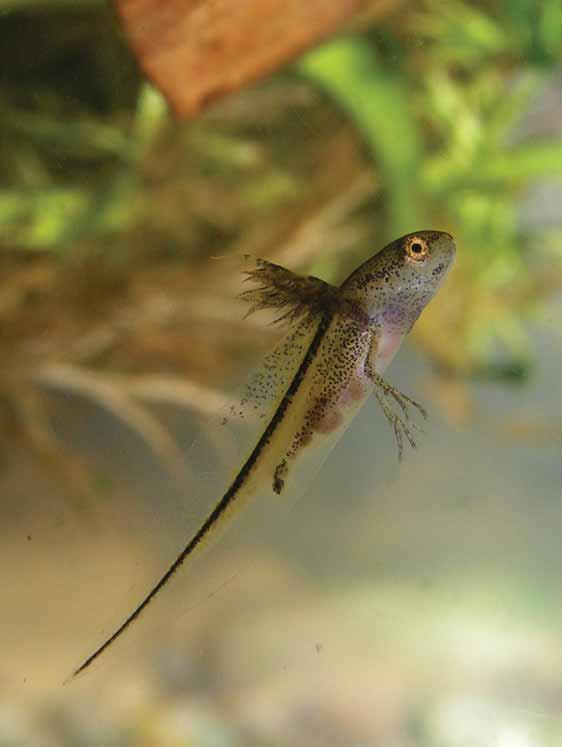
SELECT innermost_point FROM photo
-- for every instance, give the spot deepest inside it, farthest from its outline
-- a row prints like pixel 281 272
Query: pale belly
pixel 330 395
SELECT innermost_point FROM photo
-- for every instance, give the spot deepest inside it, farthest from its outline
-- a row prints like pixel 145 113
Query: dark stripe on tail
pixel 230 494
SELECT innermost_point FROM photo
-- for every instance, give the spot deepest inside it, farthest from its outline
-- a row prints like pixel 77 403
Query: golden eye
pixel 417 249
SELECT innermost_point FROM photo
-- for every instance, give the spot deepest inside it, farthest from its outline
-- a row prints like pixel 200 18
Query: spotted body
pixel 313 383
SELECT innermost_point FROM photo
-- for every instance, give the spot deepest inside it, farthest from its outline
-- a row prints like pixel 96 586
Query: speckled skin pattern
pixel 314 382
pixel 392 288
pixel 386 295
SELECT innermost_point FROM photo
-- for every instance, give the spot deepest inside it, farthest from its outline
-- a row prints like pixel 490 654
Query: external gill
pixel 299 298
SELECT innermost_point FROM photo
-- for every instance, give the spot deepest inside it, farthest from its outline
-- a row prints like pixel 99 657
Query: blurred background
pixel 412 605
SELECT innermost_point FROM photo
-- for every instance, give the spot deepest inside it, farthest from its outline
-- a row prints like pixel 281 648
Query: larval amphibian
pixel 312 384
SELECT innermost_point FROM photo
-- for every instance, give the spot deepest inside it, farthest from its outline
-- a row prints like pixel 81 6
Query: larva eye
pixel 417 249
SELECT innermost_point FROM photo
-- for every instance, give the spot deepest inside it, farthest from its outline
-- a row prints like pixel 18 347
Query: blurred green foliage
pixel 440 104
pixel 440 94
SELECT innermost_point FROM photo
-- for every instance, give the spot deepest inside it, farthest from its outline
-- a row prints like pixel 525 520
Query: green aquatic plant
pixel 442 122
pixel 438 98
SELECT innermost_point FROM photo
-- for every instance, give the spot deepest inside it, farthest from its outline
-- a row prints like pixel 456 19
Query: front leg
pixel 386 394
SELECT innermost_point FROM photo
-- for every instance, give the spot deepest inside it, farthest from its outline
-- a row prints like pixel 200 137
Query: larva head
pixel 395 285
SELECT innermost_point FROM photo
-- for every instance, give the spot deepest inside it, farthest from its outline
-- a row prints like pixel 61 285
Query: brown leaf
pixel 195 51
